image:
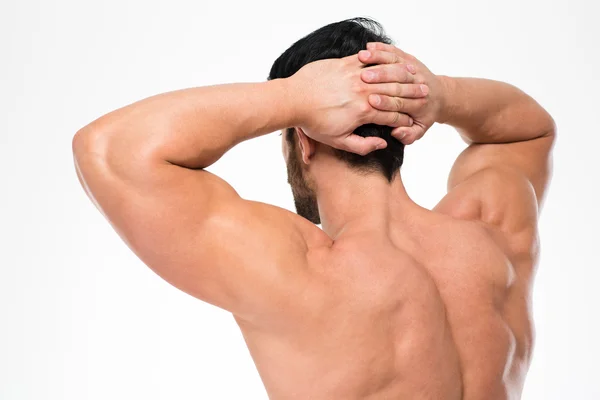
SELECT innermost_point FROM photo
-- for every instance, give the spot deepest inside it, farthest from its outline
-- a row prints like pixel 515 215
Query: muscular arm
pixel 505 128
pixel 142 166
pixel 190 128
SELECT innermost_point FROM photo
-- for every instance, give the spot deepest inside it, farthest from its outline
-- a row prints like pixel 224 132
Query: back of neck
pixel 351 202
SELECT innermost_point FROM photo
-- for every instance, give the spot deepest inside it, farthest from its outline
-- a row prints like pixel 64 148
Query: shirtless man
pixel 389 300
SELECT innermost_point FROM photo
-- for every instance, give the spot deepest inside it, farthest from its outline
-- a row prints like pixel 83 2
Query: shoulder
pixel 503 202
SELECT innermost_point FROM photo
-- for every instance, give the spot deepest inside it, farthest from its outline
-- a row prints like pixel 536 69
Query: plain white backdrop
pixel 82 318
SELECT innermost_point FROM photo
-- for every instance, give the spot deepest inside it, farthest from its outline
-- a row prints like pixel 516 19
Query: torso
pixel 440 312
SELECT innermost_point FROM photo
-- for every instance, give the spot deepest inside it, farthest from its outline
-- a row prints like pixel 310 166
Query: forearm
pixel 192 128
pixel 487 111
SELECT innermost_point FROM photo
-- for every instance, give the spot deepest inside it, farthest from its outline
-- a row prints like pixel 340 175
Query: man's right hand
pixel 393 65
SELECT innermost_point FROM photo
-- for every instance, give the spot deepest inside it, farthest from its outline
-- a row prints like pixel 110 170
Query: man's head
pixel 336 40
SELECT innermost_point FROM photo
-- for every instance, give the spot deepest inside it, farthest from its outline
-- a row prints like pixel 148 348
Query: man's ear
pixel 307 145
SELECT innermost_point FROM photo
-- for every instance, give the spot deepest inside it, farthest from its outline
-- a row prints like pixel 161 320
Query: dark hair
pixel 338 40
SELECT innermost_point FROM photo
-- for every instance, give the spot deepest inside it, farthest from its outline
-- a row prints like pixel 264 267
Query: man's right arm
pixel 501 178
pixel 509 133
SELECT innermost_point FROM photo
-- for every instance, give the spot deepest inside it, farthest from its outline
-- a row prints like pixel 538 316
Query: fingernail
pixel 369 75
pixel 410 121
pixel 366 53
pixel 402 136
pixel 376 99
pixel 425 89
pixel 411 68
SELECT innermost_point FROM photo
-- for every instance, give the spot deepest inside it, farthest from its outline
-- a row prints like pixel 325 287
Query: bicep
pixel 193 230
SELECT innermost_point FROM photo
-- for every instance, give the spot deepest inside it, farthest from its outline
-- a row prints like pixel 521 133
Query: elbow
pixel 80 142
pixel 549 126
pixel 97 148
pixel 88 141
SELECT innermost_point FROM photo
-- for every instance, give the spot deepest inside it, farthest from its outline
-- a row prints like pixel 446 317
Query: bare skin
pixel 389 300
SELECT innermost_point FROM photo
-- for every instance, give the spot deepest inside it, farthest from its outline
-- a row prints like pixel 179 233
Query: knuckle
pixel 364 108
pixel 398 89
pixel 399 103
pixel 358 87
pixel 387 103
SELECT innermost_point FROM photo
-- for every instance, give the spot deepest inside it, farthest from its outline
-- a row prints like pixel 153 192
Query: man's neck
pixel 350 202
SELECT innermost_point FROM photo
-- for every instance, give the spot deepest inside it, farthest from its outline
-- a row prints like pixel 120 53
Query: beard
pixel 305 198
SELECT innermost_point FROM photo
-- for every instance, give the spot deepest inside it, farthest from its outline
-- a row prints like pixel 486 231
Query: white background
pixel 82 318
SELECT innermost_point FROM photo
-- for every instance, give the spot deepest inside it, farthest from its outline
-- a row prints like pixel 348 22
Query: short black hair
pixel 338 40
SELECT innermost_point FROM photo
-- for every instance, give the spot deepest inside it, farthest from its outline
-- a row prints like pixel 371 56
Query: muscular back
pixel 437 308
pixel 432 313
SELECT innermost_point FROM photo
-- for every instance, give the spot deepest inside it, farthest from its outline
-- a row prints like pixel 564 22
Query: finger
pixel 387 47
pixel 408 135
pixel 384 57
pixel 406 90
pixel 362 145
pixel 386 73
pixel 396 104
pixel 389 118
pixel 379 57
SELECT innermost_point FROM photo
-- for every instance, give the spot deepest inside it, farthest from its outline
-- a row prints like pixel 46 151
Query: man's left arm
pixel 142 166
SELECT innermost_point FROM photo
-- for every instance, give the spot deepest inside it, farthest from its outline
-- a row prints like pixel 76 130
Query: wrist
pixel 292 104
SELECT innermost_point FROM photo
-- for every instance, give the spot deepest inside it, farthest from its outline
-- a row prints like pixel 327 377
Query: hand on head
pixel 332 101
pixel 335 96
pixel 418 92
